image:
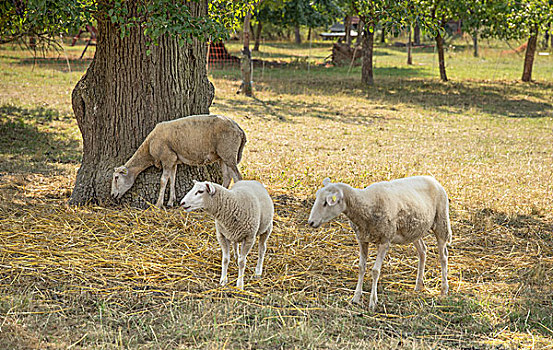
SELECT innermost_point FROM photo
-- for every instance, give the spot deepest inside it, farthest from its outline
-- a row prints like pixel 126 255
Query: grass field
pixel 107 278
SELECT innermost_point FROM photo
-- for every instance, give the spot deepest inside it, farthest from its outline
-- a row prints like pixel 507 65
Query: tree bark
pixel 367 74
pixel 347 29
pixel 383 36
pixel 360 32
pixel 297 34
pixel 246 60
pixel 441 56
pixel 124 93
pixel 409 56
pixel 417 35
pixel 258 36
pixel 530 54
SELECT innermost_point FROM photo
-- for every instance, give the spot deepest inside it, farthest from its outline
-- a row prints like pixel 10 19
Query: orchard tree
pixel 149 66
pixel 517 19
pixel 388 14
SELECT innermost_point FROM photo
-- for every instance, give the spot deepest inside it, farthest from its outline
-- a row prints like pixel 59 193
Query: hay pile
pixel 169 252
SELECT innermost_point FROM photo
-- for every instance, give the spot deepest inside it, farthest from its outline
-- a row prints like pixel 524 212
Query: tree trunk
pixel 246 60
pixel 417 35
pixel 409 57
pixel 258 36
pixel 360 32
pixel 347 29
pixel 367 75
pixel 124 93
pixel 529 57
pixel 441 56
pixel 475 43
pixel 383 36
pixel 297 34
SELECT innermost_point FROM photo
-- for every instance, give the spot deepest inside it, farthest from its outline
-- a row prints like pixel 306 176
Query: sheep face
pixel 195 198
pixel 328 205
pixel 121 182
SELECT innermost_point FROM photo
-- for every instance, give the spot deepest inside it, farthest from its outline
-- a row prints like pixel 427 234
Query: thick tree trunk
pixel 123 95
pixel 258 36
pixel 347 29
pixel 367 75
pixel 409 56
pixel 441 56
pixel 529 57
pixel 417 35
pixel 297 34
pixel 383 36
pixel 246 60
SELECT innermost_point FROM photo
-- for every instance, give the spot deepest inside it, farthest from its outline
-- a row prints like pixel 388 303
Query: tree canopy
pixel 47 19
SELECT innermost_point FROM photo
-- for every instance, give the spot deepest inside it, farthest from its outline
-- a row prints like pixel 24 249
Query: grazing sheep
pixel 193 140
pixel 400 211
pixel 241 214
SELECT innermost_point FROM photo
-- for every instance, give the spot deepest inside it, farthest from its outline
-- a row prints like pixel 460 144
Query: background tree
pixel 389 15
pixel 517 19
pixel 149 66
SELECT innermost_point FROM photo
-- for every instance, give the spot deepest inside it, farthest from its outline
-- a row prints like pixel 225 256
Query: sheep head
pixel 121 182
pixel 328 204
pixel 196 197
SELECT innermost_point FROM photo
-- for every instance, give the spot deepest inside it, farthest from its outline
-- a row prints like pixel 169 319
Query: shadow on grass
pixel 29 143
pixel 392 85
pixel 60 63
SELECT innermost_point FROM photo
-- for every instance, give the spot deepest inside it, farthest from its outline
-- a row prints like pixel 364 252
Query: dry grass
pixel 96 277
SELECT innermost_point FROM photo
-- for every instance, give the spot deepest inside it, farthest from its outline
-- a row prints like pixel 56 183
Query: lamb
pixel 400 211
pixel 241 214
pixel 194 140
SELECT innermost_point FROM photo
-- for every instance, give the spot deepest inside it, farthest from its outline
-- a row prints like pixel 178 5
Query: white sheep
pixel 400 211
pixel 194 140
pixel 241 214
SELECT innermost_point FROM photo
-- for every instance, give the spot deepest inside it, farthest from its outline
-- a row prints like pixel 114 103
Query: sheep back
pixel 244 210
pixel 198 139
pixel 402 210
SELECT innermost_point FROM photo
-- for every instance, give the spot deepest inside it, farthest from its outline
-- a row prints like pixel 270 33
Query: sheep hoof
pixel 356 300
pixel 223 281
pixel 257 277
pixel 419 288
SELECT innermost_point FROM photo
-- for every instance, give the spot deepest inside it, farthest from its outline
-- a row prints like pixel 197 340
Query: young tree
pixel 149 66
pixel 386 13
pixel 525 18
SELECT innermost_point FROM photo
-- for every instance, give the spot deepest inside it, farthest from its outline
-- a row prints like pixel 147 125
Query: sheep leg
pixel 421 251
pixel 225 248
pixel 163 185
pixel 226 175
pixel 262 249
pixel 442 251
pixel 235 172
pixel 245 247
pixel 363 249
pixel 381 253
pixel 172 178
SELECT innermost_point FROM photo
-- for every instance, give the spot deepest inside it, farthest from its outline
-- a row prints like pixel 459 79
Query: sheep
pixel 401 211
pixel 194 140
pixel 241 214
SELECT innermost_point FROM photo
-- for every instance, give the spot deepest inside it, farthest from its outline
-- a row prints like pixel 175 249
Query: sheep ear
pixel 210 188
pixel 326 181
pixel 194 182
pixel 334 198
pixel 124 170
